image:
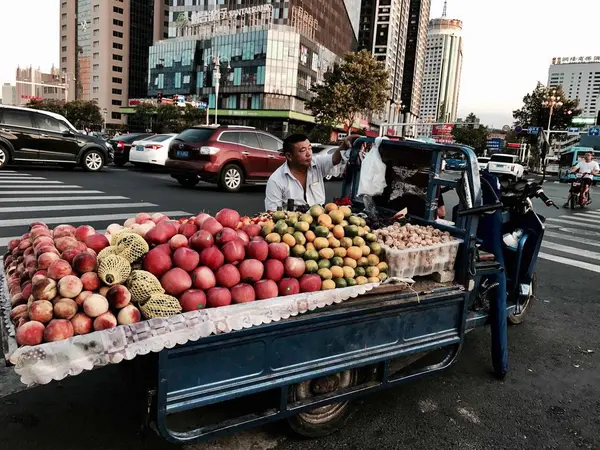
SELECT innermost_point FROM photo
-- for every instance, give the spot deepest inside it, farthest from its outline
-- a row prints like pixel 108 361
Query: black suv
pixel 35 136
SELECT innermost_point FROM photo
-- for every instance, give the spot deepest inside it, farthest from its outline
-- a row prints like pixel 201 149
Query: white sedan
pixel 153 150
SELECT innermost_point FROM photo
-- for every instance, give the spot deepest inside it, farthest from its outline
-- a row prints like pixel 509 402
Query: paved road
pixel 551 398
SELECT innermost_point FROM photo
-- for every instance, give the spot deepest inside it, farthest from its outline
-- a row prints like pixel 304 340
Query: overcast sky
pixel 508 44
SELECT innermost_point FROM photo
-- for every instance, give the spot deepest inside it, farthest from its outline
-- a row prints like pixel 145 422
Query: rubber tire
pixel 6 153
pixel 188 183
pixel 85 155
pixel 225 169
pixel 310 430
pixel 517 320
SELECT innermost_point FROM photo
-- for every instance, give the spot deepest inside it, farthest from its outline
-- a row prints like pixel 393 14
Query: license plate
pixel 182 154
pixel 500 166
pixel 139 148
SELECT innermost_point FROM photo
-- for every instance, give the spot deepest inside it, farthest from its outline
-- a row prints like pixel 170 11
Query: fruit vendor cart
pixel 303 358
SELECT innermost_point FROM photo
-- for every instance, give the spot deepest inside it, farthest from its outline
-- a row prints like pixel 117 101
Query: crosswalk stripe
pixel 570 262
pixel 7 171
pixel 10 178
pixel 34 186
pixel 62 199
pixel 49 192
pixel 589 213
pixel 583 219
pixel 567 249
pixel 570 222
pixel 15 209
pixel 576 231
pixel 80 219
pixel 567 237
pixel 11 181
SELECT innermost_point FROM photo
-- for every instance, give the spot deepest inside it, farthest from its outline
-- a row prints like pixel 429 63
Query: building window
pixel 117 34
pixel 117 102
pixel 95 89
pixel 96 8
pixel 96 32
pixel 63 59
pixel 117 10
pixel 117 57
pixel 178 80
pixel 115 115
pixel 118 22
pixel 63 38
pixel 96 56
pixel 63 16
pixel 96 44
pixel 160 81
pixel 117 80
pixel 63 49
pixel 63 5
pixel 63 27
pixel 96 20
pixel 95 78
pixel 117 92
pixel 117 69
pixel 117 46
pixel 96 67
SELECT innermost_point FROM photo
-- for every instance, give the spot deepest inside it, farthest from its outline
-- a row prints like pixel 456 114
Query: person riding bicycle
pixel 588 168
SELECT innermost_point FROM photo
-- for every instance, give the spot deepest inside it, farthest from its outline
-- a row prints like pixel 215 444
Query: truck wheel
pixel 326 419
pixel 518 317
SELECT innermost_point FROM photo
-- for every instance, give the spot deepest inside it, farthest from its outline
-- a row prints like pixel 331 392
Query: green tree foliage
pixel 143 116
pixel 55 106
pixel 81 113
pixel 470 134
pixel 356 86
pixel 192 116
pixel 168 118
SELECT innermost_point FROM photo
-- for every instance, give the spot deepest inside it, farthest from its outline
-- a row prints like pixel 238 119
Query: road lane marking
pixel 589 213
pixel 80 219
pixel 576 231
pixel 62 199
pixel 570 262
pixel 30 182
pixel 16 209
pixel 48 192
pixel 567 237
pixel 10 178
pixel 37 186
pixel 581 219
pixel 571 222
pixel 571 250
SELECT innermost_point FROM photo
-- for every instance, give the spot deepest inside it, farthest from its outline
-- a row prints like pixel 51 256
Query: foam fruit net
pixel 114 269
pixel 112 250
pixel 142 285
pixel 131 246
pixel 160 305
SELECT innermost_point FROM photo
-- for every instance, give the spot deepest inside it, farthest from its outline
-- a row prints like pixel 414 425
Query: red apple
pixel 278 251
pixel 192 299
pixel 266 289
pixel 186 258
pixel 251 270
pixel 227 276
pixel 310 283
pixel 157 261
pixel 242 293
pixel 224 236
pixel 203 278
pixel 212 258
pixel 218 296
pixel 258 249
pixel 294 267
pixel 289 286
pixel 274 269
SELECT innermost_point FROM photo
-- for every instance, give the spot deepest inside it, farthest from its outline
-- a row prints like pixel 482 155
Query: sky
pixel 508 45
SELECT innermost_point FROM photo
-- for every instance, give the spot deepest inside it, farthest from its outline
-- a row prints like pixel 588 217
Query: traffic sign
pixel 594 131
pixel 573 131
pixel 202 105
pixel 533 130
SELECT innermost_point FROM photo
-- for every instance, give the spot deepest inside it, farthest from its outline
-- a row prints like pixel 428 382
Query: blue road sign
pixel 533 130
pixel 202 105
pixel 594 131
pixel 573 131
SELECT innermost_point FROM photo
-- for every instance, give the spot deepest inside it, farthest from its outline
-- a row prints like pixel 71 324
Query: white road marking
pixel 49 192
pixel 570 262
pixel 37 186
pixel 8 171
pixel 31 182
pixel 583 219
pixel 14 177
pixel 589 213
pixel 62 199
pixel 571 250
pixel 571 222
pixel 566 237
pixel 576 231
pixel 12 209
pixel 80 219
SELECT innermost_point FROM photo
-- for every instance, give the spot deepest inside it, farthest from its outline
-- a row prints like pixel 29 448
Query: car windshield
pixel 503 159
pixel 483 160
pixel 159 137
pixel 195 135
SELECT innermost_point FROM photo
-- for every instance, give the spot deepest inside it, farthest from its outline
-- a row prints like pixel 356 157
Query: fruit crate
pixel 423 260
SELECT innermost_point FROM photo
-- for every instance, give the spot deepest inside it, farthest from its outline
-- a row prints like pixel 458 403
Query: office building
pixel 383 31
pixel 9 94
pixel 579 78
pixel 264 64
pixel 104 47
pixel 442 72
pixel 33 84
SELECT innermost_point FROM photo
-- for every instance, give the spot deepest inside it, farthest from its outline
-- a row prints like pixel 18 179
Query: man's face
pixel 588 157
pixel 301 155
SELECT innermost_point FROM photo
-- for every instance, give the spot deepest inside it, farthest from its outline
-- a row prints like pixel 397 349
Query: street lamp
pixel 400 106
pixel 66 82
pixel 553 101
pixel 216 61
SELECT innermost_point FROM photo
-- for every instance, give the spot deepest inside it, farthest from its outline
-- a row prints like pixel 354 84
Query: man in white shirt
pixel 300 178
pixel 589 168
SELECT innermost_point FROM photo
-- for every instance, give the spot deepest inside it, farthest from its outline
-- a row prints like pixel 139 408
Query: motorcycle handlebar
pixel 547 200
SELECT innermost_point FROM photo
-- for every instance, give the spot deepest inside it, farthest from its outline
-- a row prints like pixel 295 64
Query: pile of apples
pixel 54 287
pixel 207 261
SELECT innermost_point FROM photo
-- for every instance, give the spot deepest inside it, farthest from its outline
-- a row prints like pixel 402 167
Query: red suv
pixel 227 155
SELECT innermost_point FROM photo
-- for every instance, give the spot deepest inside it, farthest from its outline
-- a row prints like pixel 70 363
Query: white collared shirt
pixel 282 185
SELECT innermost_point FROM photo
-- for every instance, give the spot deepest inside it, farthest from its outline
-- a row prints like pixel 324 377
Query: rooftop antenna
pixel 445 11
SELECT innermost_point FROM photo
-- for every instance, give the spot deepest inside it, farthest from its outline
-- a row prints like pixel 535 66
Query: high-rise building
pixel 414 62
pixel 579 78
pixel 383 31
pixel 442 72
pixel 34 84
pixel 104 47
pixel 9 94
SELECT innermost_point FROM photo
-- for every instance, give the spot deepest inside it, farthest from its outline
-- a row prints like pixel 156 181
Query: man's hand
pixel 345 145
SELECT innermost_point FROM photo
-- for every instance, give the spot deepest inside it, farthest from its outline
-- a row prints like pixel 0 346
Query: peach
pixel 30 333
pixel 59 269
pixel 45 259
pixel 69 254
pixel 41 311
pixel 17 300
pixel 65 308
pixel 47 248
pixel 70 286
pixel 85 262
pixel 43 289
pixel 81 297
pixel 97 242
pixel 128 315
pixel 63 230
pixel 82 324
pixel 58 330
pixel 91 281
pixel 83 232
pixel 103 290
pixel 95 305
pixel 105 321
pixel 118 296
pixel 64 243
pixel 17 312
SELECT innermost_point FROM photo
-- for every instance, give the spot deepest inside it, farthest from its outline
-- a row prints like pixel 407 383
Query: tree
pixel 357 86
pixel 55 106
pixel 472 135
pixel 167 118
pixel 83 113
pixel 143 116
pixel 192 116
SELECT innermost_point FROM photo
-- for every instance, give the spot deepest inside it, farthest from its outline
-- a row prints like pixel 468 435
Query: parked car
pixel 505 165
pixel 36 136
pixel 122 146
pixel 455 164
pixel 482 162
pixel 226 155
pixel 153 150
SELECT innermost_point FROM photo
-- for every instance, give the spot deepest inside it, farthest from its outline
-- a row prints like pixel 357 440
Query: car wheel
pixel 92 161
pixel 232 178
pixel 3 157
pixel 188 182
